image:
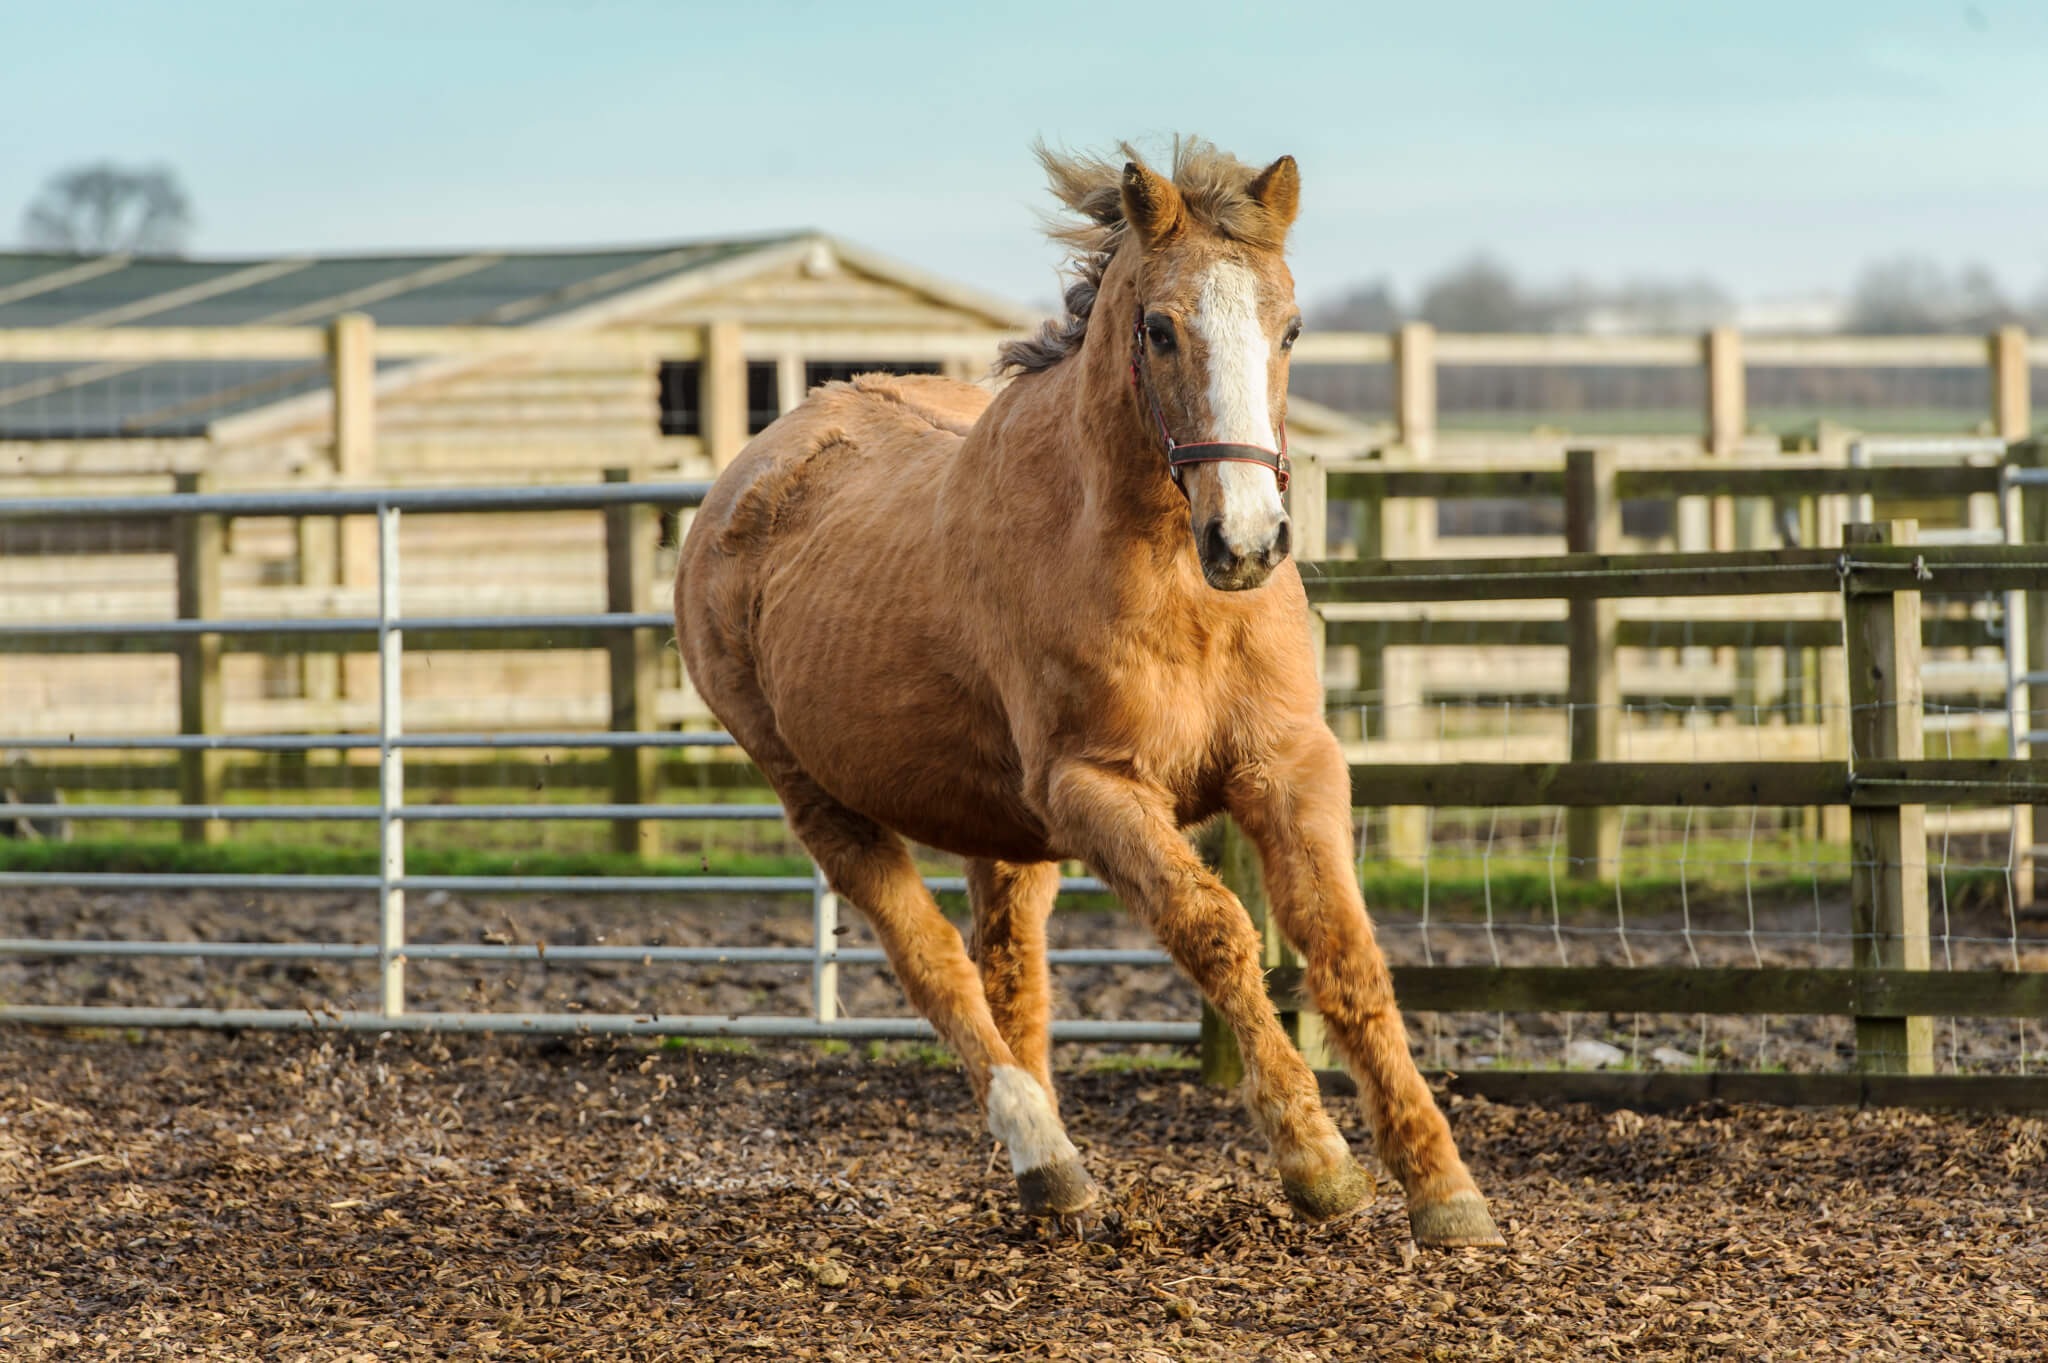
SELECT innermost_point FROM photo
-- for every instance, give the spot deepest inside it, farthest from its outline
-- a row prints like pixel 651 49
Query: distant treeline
pixel 1903 296
pixel 1494 395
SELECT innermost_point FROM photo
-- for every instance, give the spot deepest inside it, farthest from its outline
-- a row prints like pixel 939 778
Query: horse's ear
pixel 1278 187
pixel 1151 204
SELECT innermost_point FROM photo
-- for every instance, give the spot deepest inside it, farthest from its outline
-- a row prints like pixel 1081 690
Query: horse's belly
pixel 916 755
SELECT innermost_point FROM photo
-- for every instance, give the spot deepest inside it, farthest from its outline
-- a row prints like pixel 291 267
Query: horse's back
pixel 846 444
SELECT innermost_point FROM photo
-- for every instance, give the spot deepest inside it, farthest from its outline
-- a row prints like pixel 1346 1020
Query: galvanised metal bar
pixel 570 1024
pixel 536 951
pixel 362 742
pixel 418 813
pixel 390 769
pixel 825 953
pixel 697 884
pixel 369 813
pixel 392 951
pixel 346 624
pixel 138 880
pixel 362 501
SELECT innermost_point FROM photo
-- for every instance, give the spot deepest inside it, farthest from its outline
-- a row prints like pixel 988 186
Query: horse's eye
pixel 1293 330
pixel 1159 332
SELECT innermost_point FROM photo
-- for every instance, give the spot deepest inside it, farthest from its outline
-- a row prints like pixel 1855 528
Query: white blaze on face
pixel 1227 316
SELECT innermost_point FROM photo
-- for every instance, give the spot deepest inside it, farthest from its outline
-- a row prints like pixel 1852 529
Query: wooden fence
pixel 1778 657
pixel 1722 357
pixel 1881 776
pixel 1396 477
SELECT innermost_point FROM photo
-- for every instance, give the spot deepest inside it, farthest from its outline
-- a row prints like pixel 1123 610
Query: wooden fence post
pixel 1888 875
pixel 1409 531
pixel 319 673
pixel 1308 513
pixel 1237 864
pixel 2012 417
pixel 352 370
pixel 2012 414
pixel 629 547
pixel 1727 422
pixel 724 394
pixel 1832 664
pixel 2033 527
pixel 197 543
pixel 1354 722
pixel 789 380
pixel 1592 524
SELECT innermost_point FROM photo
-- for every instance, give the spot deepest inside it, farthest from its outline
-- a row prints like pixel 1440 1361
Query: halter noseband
pixel 1179 456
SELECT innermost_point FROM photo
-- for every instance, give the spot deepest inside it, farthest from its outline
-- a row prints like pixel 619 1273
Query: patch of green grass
pixel 157 856
pixel 928 1053
pixel 834 1046
pixel 716 1045
pixel 1139 1064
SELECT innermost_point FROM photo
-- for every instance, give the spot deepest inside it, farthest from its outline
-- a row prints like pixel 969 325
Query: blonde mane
pixel 1215 187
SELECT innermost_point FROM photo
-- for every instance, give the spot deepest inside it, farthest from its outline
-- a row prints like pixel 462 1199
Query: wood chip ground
pixel 309 1199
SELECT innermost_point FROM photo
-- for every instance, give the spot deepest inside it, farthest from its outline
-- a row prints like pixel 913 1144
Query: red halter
pixel 1179 456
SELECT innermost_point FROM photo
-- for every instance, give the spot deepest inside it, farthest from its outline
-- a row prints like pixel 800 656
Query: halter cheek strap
pixel 1179 456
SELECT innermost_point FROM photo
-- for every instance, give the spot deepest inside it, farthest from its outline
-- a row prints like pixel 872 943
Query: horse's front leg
pixel 1296 808
pixel 1125 830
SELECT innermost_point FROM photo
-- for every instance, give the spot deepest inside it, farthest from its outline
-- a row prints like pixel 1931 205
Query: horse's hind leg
pixel 1011 902
pixel 870 866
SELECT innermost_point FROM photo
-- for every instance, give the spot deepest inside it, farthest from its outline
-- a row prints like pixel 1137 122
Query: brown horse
pixel 1035 628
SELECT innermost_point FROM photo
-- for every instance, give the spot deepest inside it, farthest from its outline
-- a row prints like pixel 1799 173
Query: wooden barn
pixel 812 300
pixel 130 375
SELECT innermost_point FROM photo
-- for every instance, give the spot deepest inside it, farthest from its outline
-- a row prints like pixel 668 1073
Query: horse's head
pixel 1210 330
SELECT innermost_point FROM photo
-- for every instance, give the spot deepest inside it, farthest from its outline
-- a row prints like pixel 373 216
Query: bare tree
pixel 103 208
pixel 1479 295
pixel 1913 294
pixel 1364 307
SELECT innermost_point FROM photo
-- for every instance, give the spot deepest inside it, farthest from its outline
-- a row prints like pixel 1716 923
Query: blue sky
pixel 1774 147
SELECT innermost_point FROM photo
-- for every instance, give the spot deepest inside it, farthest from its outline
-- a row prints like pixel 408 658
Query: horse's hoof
pixel 1459 1221
pixel 1341 1190
pixel 1058 1189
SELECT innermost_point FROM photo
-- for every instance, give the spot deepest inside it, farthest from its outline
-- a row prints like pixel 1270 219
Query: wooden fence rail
pixel 1884 778
pixel 1886 995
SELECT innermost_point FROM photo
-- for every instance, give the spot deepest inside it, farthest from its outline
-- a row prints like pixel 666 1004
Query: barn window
pixel 682 397
pixel 764 404
pixel 828 371
pixel 682 388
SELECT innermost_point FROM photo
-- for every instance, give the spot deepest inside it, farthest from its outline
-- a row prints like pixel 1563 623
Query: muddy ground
pixel 311 1199
pixel 1979 936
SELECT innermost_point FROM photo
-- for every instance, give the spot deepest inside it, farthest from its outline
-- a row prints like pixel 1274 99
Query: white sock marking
pixel 1227 316
pixel 1020 1117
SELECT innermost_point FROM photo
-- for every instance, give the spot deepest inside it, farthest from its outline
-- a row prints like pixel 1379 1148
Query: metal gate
pixel 392 811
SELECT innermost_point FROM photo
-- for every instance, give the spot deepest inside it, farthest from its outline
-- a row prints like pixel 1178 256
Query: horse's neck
pixel 1074 433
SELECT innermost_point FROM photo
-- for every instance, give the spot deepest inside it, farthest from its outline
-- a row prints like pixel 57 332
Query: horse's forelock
pixel 1214 185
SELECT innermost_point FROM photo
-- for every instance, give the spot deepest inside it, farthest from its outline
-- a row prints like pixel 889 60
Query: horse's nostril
pixel 1282 539
pixel 1215 548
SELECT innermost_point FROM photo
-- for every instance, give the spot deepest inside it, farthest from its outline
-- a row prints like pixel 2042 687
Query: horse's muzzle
pixel 1240 567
